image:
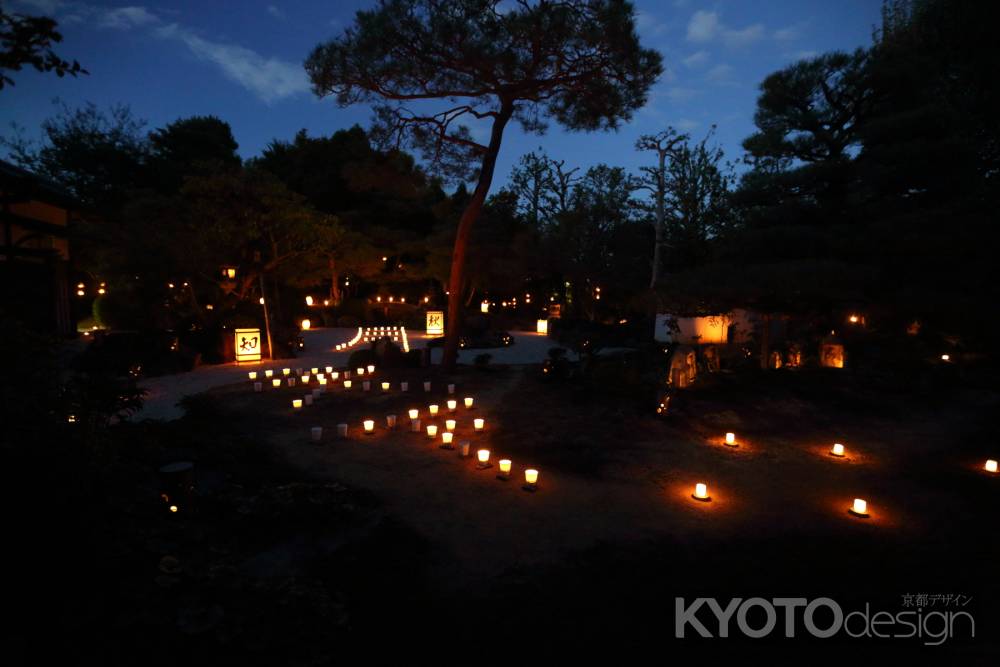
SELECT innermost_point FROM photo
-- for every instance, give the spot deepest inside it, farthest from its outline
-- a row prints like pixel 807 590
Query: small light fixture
pixel 276 383
pixel 530 480
pixel 413 413
pixel 542 326
pixel 483 455
pixel 449 424
pixel 371 368
pixel 268 373
pixel 369 426
pixel 432 431
pixel 838 450
pixel 468 402
pixel 305 378
pixel 446 439
pixel 347 384
pixel 701 492
pixel 945 357
pixel 859 508
pixel 286 371
pixel 991 466
pixel 309 301
pixel 252 375
pixel 478 423
pixel 452 404
pixel 433 409
pixel 297 403
pixel 731 440
pixel 385 386
pixel 360 371
pixel 504 465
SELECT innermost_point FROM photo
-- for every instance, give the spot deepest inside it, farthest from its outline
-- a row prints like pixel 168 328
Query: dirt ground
pixel 613 529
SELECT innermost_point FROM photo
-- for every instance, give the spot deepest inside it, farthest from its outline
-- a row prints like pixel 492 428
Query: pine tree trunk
pixel 456 280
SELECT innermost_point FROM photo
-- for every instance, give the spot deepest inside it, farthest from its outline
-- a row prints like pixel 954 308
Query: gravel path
pixel 164 392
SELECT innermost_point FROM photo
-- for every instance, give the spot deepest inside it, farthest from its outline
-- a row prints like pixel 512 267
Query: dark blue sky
pixel 241 61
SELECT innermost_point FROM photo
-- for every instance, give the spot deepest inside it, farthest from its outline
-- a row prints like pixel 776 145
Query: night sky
pixel 173 59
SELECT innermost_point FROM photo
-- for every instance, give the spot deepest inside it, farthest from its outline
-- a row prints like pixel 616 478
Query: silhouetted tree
pixel 28 40
pixel 579 62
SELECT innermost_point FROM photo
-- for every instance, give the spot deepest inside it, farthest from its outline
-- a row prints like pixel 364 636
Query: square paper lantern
pixel 435 322
pixel 247 345
pixel 542 326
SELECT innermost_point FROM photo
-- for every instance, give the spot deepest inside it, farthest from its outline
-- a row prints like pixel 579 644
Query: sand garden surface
pixel 613 515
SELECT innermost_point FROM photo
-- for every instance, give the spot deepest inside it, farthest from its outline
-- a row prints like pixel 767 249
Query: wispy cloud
pixel 720 72
pixel 706 26
pixel 126 18
pixel 686 124
pixel 270 79
pixel 679 93
pixel 648 24
pixel 275 11
pixel 696 59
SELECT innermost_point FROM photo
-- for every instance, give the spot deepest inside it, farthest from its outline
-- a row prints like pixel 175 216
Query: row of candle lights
pixel 858 508
pixel 447 436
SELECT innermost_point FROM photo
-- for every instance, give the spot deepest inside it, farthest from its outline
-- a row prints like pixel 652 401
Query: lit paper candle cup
pixel 432 430
pixel 468 402
pixel 730 439
pixel 360 371
pixel 859 508
pixel 369 425
pixel 371 368
pixel 530 479
pixel 991 466
pixel 452 404
pixel 342 430
pixel 291 382
pixel 257 386
pixel 412 413
pixel 268 373
pixel 483 458
pixel 701 492
pixel 449 424
pixel 314 370
pixel 838 450
pixel 427 386
pixel 385 387
pixel 451 389
pixel 252 375
pixel 320 377
pixel 347 375
pixel 504 466
pixel 366 385
pixel 317 433
pixel 329 369
pixel 404 386
pixel 305 378
pixel 286 371
pixel 415 425
pixel 464 448
pixel 479 423
pixel 298 371
pixel 347 384
pixel 335 375
pixel 296 403
pixel 275 383
pixel 322 382
pixel 390 421
pixel 309 399
pixel 433 409
pixel 446 439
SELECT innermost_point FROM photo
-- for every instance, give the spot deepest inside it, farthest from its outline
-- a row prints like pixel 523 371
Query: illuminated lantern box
pixel 247 345
pixel 435 323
